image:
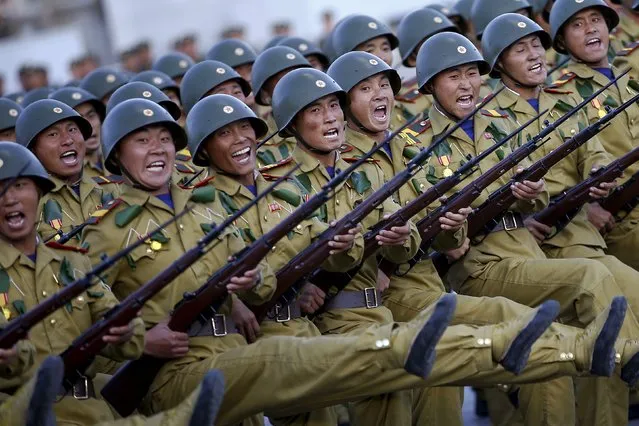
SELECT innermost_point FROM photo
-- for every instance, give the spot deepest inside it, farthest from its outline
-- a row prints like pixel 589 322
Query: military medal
pixel 444 160
pixel 600 111
pixel 4 303
pixel 156 245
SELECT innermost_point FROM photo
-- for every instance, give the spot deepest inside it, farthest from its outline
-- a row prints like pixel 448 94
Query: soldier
pixel 56 134
pixel 581 30
pixel 626 32
pixel 92 110
pixel 269 68
pixel 163 82
pixel 174 64
pixel 33 271
pixel 9 111
pixel 412 31
pixel 514 46
pixel 505 262
pixel 311 52
pixel 102 82
pixel 35 95
pixel 16 97
pixel 452 14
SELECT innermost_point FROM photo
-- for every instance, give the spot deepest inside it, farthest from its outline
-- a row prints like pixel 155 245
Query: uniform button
pixel 265 219
pixel 421 186
pixel 80 299
pixel 570 355
pixel 480 341
pixel 52 321
pixel 149 250
pixel 273 248
pixel 181 226
pixel 632 121
pixel 379 343
pixel 562 356
pixel 386 343
pixel 487 341
pixel 573 131
pixel 44 293
pixel 337 202
pixel 617 358
pixel 299 227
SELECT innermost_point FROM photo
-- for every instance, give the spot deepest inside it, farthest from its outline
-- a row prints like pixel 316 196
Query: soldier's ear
pixel 561 43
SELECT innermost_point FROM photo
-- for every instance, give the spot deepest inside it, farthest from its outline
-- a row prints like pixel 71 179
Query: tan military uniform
pixel 628 57
pixel 411 100
pixel 187 173
pixel 26 283
pixel 63 208
pixel 626 33
pixel 92 170
pixel 618 138
pixel 24 361
pixel 277 148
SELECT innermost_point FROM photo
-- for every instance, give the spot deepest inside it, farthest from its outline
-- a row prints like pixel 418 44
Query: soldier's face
pixel 148 156
pixel 315 62
pixel 232 148
pixel 525 61
pixel 61 150
pixel 321 124
pixel 269 85
pixel 231 87
pixel 586 37
pixel 87 111
pixel 371 102
pixel 380 47
pixel 457 89
pixel 245 71
pixel 8 135
pixel 18 210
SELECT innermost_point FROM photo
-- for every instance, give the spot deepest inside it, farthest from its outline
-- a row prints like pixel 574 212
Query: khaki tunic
pixel 185 171
pixel 277 148
pixel 411 99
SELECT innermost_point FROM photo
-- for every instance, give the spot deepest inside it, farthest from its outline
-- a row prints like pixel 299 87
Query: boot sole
pixel 48 382
pixel 209 400
pixel 421 356
pixel 603 358
pixel 517 355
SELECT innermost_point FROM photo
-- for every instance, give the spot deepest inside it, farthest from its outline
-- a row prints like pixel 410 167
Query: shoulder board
pixel 97 215
pixel 628 49
pixel 180 156
pixel 345 148
pixel 197 185
pixel 184 168
pixel 354 159
pixel 494 113
pixel 409 82
pixel 275 165
pixel 556 91
pixel 203 194
pixel 565 78
pixel 409 96
pixel 103 180
pixel 417 128
pixel 58 246
pixel 269 177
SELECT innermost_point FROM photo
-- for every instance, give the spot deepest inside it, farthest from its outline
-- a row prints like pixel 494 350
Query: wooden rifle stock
pixel 623 198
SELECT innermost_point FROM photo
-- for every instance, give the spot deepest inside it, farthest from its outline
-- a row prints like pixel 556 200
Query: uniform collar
pixel 136 196
pixel 9 255
pixel 309 163
pixel 509 99
pixel 440 123
pixel 230 186
pixel 584 72
pixel 86 186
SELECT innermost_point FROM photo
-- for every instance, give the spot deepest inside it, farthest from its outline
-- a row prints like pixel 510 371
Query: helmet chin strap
pixel 309 148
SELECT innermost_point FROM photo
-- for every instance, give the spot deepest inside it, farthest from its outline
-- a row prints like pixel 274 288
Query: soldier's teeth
pixel 68 154
pixel 241 152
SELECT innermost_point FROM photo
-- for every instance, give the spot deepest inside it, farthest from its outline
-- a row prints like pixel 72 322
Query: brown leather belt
pixel 217 325
pixel 368 298
pixel 509 222
pixel 279 313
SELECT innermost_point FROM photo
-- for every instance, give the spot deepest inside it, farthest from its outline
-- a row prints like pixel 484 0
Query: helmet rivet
pixel 57 110
pixel 13 112
pixel 303 47
pixel 228 109
pixel 157 80
pixel 579 1
pixel 521 24
pixel 220 70
pixel 290 56
pixel 445 10
pixel 146 94
pixel 461 49
pixel 183 64
pixel 110 78
pixel 372 25
pixel 76 96
pixel 373 61
pixel 147 112
pixel 238 51
pixel 320 83
pixel 438 20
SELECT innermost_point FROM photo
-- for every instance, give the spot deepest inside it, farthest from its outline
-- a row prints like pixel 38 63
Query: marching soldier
pixel 102 82
pixel 9 111
pixel 92 110
pixel 174 64
pixel 35 95
pixel 311 52
pixel 167 85
pixel 56 134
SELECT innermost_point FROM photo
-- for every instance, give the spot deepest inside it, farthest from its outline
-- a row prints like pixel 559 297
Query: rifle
pixel 563 208
pixel 624 198
pixel 79 355
pixel 266 139
pixel 17 329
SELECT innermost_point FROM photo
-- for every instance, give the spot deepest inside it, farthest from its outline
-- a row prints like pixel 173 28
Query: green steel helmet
pixel 296 90
pixel 141 90
pixel 158 79
pixel 132 115
pixel 419 25
pixel 306 48
pixel 271 62
pixel 72 83
pixel 103 81
pixel 538 5
pixel 16 97
pixel 174 64
pixel 358 29
pixel 354 67
pixel 274 41
pixel 504 31
pixel 451 50
pixel 485 11
pixel 444 10
pixel 465 9
pixel 232 52
pixel 9 112
pixel 211 114
pixel 43 114
pixel 563 10
pixel 17 161
pixel 206 76
pixel 74 96
pixel 35 95
pixel 329 44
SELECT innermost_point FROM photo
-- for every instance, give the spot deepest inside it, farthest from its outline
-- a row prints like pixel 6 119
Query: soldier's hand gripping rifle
pixel 19 327
pixel 80 354
pixel 623 198
pixel 563 208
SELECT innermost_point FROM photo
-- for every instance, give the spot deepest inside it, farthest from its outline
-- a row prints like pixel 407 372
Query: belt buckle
pixel 370 296
pixel 279 309
pixel 512 220
pixel 219 331
pixel 80 389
